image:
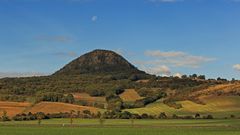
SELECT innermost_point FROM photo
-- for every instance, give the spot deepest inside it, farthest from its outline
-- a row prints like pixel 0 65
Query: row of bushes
pixel 15 98
pixel 89 115
pixel 55 97
pixel 106 115
pixel 30 116
pixel 162 115
pixel 41 115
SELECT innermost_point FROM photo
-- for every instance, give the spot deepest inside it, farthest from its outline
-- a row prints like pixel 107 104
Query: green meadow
pixel 219 107
pixel 123 127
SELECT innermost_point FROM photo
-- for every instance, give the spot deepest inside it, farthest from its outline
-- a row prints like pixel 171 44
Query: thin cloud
pixel 179 75
pixel 65 54
pixel 165 1
pixel 77 1
pixel 20 74
pixel 94 18
pixel 158 53
pixel 176 1
pixel 236 67
pixel 158 70
pixel 235 0
pixel 60 38
pixel 159 62
pixel 177 59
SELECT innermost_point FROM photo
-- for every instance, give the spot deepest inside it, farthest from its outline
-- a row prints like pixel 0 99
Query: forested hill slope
pixel 99 61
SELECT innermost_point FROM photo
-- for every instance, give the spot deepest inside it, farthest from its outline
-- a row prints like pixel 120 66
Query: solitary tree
pixel 162 115
pixel 78 114
pixel 71 116
pixel 233 80
pixel 69 99
pixel 174 116
pixel 194 76
pixel 184 77
pixel 40 116
pixel 232 116
pixel 5 117
pixel 209 117
pixel 197 116
pixel 202 77
pixel 101 120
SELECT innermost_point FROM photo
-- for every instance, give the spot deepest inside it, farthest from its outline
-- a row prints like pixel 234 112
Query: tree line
pixel 86 114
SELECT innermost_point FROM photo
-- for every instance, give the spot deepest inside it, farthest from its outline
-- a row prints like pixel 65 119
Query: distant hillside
pixel 104 80
pixel 99 61
pixel 97 73
pixel 218 106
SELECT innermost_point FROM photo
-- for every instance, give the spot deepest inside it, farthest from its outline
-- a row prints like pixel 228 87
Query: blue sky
pixel 163 37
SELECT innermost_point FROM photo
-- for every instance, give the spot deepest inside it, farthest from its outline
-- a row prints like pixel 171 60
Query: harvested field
pixel 88 98
pixel 13 108
pixel 54 107
pixel 130 95
pixel 217 89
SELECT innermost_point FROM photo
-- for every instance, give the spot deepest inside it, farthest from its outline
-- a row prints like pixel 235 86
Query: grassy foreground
pixel 123 127
pixel 116 131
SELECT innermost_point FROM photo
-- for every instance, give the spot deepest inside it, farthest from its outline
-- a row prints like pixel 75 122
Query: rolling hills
pixel 104 80
pixel 219 107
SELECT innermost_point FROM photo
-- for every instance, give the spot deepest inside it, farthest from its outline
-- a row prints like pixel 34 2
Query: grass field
pixel 123 127
pixel 115 131
pixel 130 95
pixel 219 107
